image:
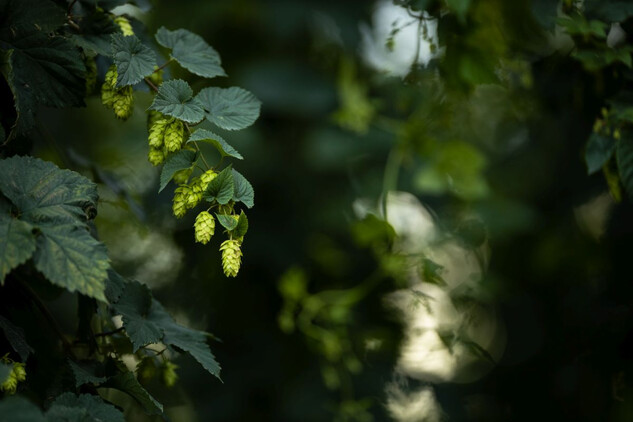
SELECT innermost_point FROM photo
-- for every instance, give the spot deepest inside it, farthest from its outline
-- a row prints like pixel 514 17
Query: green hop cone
pixel 174 135
pixel 157 77
pixel 169 375
pixel 231 257
pixel 157 133
pixel 155 156
pixel 181 176
pixel 194 194
pixel 204 227
pixel 125 25
pixel 124 103
pixel 17 375
pixel 179 204
pixel 91 74
pixel 206 178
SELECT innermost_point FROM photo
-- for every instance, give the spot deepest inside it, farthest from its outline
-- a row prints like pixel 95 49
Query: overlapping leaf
pixel 181 160
pixel 15 337
pixel 599 149
pixel 243 190
pixel 17 243
pixel 175 99
pixel 191 51
pixel 133 59
pixel 134 306
pixel 92 408
pixel 229 108
pixel 128 383
pixel 221 188
pixel 223 147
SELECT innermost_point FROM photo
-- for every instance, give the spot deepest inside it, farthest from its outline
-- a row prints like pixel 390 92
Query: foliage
pixel 54 53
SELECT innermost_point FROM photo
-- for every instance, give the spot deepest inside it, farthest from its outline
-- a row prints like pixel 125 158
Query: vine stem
pixel 163 65
pixel 151 84
pixel 109 333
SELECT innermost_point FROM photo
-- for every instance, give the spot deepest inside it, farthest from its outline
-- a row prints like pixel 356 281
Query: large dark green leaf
pixel 95 33
pixel 43 70
pixel 43 192
pixel 229 108
pixel 191 51
pixel 134 306
pixel 96 409
pixel 84 376
pixel 19 409
pixel 128 383
pixel 186 339
pixel 181 160
pixel 133 59
pixel 69 257
pixel 175 99
pixel 221 188
pixel 15 337
pixel 17 243
pixel 226 150
pixel 18 17
pixel 243 190
pixel 599 149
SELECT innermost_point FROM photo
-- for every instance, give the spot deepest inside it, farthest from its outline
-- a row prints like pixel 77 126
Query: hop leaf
pixel 174 135
pixel 124 24
pixel 204 227
pixel 156 156
pixel 179 205
pixel 231 257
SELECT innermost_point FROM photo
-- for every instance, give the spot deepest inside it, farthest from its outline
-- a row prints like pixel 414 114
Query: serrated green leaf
pixel 191 51
pixel 128 383
pixel 95 33
pixel 599 150
pixel 17 243
pixel 229 108
pixel 175 99
pixel 242 226
pixel 43 192
pixel 624 155
pixel 226 150
pixel 94 407
pixel 19 409
pixel 83 376
pixel 115 285
pixel 18 17
pixel 243 191
pixel 69 257
pixel 15 337
pixel 134 307
pixel 181 160
pixel 185 339
pixel 43 70
pixel 221 188
pixel 227 221
pixel 133 59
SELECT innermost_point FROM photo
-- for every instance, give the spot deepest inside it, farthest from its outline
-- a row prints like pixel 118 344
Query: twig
pixel 109 333
pixel 151 84
pixel 163 65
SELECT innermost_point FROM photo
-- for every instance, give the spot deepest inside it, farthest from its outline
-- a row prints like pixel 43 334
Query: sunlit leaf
pixel 229 108
pixel 226 150
pixel 191 51
pixel 175 99
pixel 133 59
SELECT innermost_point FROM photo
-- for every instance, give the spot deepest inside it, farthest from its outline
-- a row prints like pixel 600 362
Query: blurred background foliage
pixel 426 244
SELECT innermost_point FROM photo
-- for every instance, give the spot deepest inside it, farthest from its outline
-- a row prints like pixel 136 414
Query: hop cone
pixel 194 193
pixel 108 91
pixel 156 156
pixel 157 132
pixel 206 178
pixel 204 227
pixel 181 176
pixel 156 77
pixel 125 25
pixel 18 374
pixel 169 375
pixel 124 103
pixel 231 257
pixel 179 205
pixel 174 135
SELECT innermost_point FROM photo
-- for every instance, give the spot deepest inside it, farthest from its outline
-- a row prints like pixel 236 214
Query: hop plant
pixel 121 100
pixel 17 375
pixel 155 156
pixel 231 257
pixel 125 25
pixel 157 77
pixel 174 135
pixel 204 227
